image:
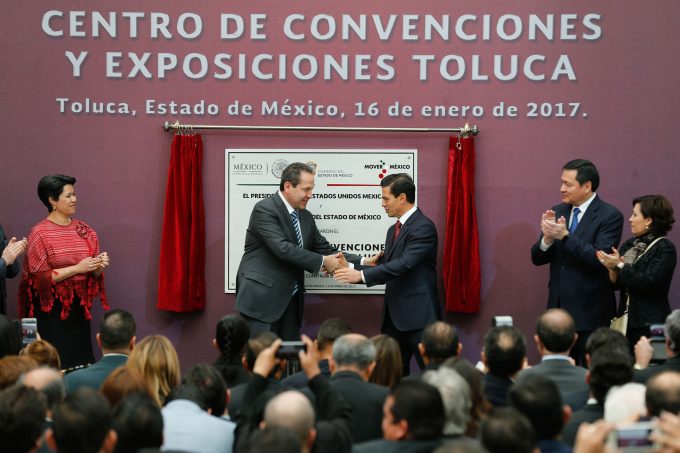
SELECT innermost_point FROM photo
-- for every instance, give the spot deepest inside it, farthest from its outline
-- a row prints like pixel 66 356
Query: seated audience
pixel 455 394
pixel 506 430
pixel 116 338
pixel 352 362
pixel 43 353
pixel 122 382
pixel 10 336
pixel 22 419
pixel 438 343
pixel 388 369
pixel 644 351
pixel 138 423
pixel 231 336
pixel 413 420
pixel 12 367
pixel 156 359
pixel 663 393
pixel 475 380
pixel 503 356
pixel 293 411
pixel 50 383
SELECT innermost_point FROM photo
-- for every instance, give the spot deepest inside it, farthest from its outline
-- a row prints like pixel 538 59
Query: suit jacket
pixel 497 389
pixel 569 378
pixel 366 400
pixel 94 375
pixel 404 446
pixel 648 282
pixel 589 413
pixel 642 376
pixel 409 271
pixel 5 272
pixel 579 283
pixel 272 263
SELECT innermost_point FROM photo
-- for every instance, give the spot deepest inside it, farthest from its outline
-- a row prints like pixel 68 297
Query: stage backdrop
pixel 88 84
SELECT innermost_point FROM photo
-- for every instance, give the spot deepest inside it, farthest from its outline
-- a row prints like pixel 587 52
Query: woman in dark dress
pixel 62 274
pixel 643 268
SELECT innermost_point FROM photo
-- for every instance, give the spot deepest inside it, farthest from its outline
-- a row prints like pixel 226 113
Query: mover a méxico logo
pixel 383 168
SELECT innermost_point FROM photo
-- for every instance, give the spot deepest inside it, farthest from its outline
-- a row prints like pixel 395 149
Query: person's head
pixel 123 381
pixel 212 390
pixel 672 333
pixel 156 359
pixel 625 402
pixel 455 394
pixel 663 393
pixel 604 337
pixel 579 180
pixel 505 430
pixel 293 411
pixel 329 331
pixel 475 380
pixel 231 336
pixel 398 194
pixel 13 366
pixel 297 184
pixel 413 411
pixel 43 353
pixel 539 399
pixel 439 342
pixel 117 331
pixel 138 422
pixel 58 194
pixel 388 368
pixel 272 439
pixel 49 382
pixel 353 352
pixel 610 365
pixel 10 336
pixel 555 332
pixel 22 419
pixel 504 351
pixel 82 424
pixel 259 342
pixel 651 214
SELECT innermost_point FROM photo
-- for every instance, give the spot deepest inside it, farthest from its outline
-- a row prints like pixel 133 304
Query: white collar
pixel 406 215
pixel 288 206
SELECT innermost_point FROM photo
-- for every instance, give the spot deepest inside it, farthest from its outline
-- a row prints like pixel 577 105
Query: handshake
pixel 332 263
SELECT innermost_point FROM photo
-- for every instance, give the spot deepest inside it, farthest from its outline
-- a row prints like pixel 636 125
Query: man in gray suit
pixel 282 241
pixel 555 336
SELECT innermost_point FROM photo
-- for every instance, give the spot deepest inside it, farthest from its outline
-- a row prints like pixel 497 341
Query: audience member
pixel 293 411
pixel 503 355
pixel 455 394
pixel 413 420
pixel 10 336
pixel 82 424
pixel 667 434
pixel 329 331
pixel 475 380
pixel 49 382
pixel 555 335
pixel 12 367
pixel 538 398
pixel 43 353
pixel 272 439
pixel 138 423
pixel 122 382
pixel 505 430
pixel 625 403
pixel 231 336
pixel 116 338
pixel 22 418
pixel 187 423
pixel 644 351
pixel 438 343
pixel 388 369
pixel 352 362
pixel 460 445
pixel 663 393
pixel 156 359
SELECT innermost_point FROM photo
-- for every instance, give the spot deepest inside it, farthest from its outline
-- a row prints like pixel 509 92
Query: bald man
pixel 293 411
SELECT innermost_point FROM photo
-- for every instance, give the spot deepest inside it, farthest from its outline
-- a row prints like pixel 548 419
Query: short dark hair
pixel 440 340
pixel 81 422
pixel 272 438
pixel 659 209
pixel 292 173
pixel 400 183
pixel 585 171
pixel 539 399
pixel 212 391
pixel 505 430
pixel 259 342
pixel 663 393
pixel 330 330
pixel 505 349
pixel 420 404
pixel 22 418
pixel 51 186
pixel 556 336
pixel 117 329
pixel 604 336
pixel 138 422
pixel 610 365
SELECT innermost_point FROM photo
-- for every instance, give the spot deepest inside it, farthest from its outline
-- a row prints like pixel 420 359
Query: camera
pixel 634 438
pixel 29 331
pixel 498 321
pixel 657 338
pixel 290 349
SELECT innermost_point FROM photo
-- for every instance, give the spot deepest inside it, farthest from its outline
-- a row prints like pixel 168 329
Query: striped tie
pixel 296 226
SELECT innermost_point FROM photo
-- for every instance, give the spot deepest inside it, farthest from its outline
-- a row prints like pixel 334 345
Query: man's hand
pixel 667 434
pixel 342 259
pixel 590 437
pixel 13 250
pixel 331 263
pixel 643 352
pixel 309 359
pixel 266 360
pixel 347 275
pixel 554 229
pixel 372 261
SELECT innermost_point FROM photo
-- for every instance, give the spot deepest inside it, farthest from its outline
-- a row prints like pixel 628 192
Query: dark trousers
pixel 408 343
pixel 287 327
pixel 578 352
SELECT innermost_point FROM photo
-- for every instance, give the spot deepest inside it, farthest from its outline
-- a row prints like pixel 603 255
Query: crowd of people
pixel 350 394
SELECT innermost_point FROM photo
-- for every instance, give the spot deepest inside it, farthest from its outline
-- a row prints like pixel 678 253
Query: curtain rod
pixel 467 129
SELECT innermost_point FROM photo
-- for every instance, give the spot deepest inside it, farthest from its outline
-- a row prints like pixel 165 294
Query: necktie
pixel 397 229
pixel 574 220
pixel 296 227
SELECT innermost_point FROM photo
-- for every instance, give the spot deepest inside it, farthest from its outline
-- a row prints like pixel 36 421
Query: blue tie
pixel 296 227
pixel 574 220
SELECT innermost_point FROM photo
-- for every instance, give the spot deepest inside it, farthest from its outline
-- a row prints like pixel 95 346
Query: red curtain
pixel 181 275
pixel 461 270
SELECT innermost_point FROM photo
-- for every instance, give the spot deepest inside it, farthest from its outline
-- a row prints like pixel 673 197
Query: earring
pixel 54 207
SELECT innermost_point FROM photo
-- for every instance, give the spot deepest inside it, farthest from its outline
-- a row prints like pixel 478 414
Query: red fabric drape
pixel 461 270
pixel 181 275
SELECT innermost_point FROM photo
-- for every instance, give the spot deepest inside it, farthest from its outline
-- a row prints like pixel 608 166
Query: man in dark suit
pixel 282 241
pixel 503 355
pixel 408 268
pixel 116 338
pixel 571 234
pixel 9 264
pixel 644 351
